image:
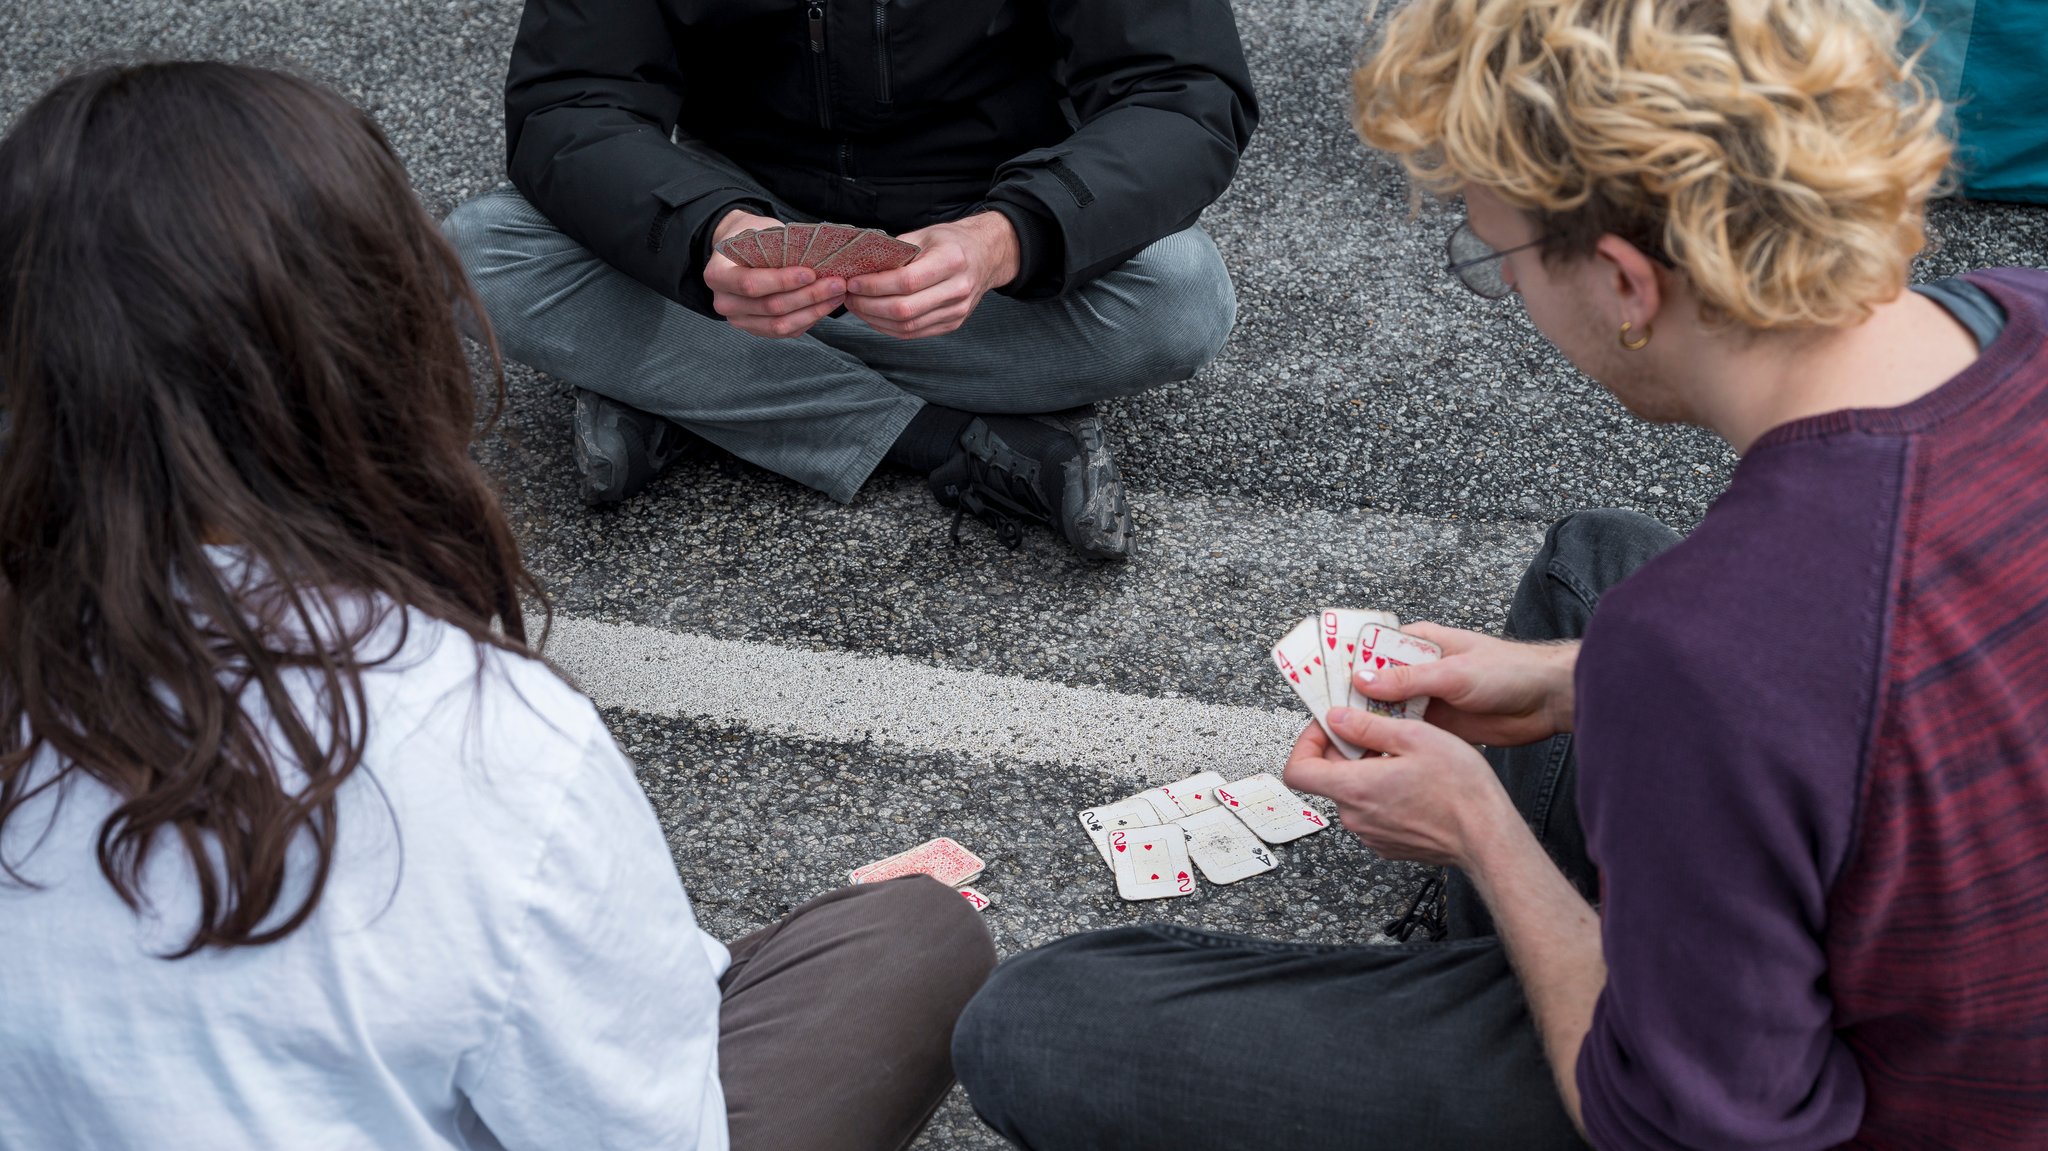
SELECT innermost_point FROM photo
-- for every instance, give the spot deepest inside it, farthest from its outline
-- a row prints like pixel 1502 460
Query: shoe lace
pixel 1001 488
pixel 1426 911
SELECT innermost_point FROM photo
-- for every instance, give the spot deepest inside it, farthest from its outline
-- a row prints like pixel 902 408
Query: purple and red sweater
pixel 1813 747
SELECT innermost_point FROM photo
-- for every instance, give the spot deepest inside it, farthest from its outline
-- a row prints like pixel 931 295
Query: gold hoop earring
pixel 1626 325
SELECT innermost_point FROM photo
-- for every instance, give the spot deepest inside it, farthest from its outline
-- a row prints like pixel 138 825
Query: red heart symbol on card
pixel 1148 847
pixel 1379 661
pixel 1333 643
pixel 1198 795
pixel 1119 847
pixel 1294 677
pixel 1155 875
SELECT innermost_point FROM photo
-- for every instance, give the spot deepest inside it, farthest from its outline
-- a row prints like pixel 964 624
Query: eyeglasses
pixel 1476 264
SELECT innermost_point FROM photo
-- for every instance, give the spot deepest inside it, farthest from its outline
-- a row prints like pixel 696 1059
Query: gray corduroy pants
pixel 824 407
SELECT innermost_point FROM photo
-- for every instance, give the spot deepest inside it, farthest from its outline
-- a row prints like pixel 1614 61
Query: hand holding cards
pixel 831 249
pixel 1319 656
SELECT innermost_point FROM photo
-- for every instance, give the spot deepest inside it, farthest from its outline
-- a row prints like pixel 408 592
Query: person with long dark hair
pixel 300 844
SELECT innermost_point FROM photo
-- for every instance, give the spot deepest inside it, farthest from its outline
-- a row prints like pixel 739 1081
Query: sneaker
pixel 1006 489
pixel 619 449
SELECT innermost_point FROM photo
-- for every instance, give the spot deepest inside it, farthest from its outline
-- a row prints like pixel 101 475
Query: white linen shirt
pixel 503 957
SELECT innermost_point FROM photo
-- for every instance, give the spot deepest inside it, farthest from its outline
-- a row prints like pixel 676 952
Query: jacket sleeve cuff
pixel 1039 245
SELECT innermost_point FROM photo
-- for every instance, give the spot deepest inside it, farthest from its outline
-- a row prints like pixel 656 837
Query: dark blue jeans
pixel 1161 1037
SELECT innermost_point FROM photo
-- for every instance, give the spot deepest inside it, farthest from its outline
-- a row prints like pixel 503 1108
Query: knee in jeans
pixel 1192 308
pixel 1627 536
pixel 994 1024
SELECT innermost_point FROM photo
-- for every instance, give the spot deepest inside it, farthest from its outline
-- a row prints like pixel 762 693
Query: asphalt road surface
pixel 1373 436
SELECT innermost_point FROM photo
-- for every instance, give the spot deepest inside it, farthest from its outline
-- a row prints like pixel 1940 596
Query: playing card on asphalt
pixel 1183 796
pixel 1299 657
pixel 1224 848
pixel 1341 626
pixel 975 898
pixel 1270 810
pixel 869 252
pixel 1125 813
pixel 1152 863
pixel 942 859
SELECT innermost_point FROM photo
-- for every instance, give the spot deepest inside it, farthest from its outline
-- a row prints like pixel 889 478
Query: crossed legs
pixel 823 408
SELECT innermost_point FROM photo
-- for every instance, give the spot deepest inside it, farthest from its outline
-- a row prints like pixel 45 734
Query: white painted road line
pixel 909 706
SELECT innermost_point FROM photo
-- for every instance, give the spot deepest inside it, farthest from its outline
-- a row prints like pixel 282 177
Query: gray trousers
pixel 1162 1037
pixel 834 1028
pixel 823 408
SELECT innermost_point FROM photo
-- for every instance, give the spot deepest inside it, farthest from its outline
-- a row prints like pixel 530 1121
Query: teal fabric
pixel 1989 59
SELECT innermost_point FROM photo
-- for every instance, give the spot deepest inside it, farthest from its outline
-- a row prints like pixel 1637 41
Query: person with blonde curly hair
pixel 1758 864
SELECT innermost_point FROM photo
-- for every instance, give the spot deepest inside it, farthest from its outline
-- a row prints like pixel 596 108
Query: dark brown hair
pixel 241 416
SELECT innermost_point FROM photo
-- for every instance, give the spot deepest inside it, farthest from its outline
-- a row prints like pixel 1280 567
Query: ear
pixel 1632 277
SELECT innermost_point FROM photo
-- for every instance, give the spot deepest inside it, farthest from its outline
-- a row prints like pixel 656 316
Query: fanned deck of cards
pixel 833 249
pixel 943 859
pixel 1320 655
pixel 1154 841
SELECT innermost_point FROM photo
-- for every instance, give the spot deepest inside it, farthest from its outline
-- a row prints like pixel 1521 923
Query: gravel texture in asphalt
pixel 1372 436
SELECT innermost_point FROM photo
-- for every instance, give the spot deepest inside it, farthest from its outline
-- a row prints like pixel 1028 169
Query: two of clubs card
pixel 1322 653
pixel 1156 840
pixel 943 859
pixel 833 249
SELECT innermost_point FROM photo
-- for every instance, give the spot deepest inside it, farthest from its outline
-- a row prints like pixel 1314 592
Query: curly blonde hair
pixel 1778 152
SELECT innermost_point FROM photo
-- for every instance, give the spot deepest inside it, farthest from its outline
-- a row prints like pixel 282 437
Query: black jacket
pixel 1096 126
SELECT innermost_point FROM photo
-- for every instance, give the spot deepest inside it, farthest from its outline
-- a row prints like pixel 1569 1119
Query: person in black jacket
pixel 1051 157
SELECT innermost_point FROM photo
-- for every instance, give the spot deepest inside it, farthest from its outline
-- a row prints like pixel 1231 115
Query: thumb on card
pixel 1396 682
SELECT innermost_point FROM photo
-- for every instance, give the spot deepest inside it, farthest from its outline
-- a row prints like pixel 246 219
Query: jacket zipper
pixel 814 17
pixel 882 49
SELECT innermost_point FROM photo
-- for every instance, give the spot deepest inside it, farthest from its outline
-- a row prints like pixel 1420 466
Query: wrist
pixel 732 222
pixel 1493 833
pixel 1002 252
pixel 1561 701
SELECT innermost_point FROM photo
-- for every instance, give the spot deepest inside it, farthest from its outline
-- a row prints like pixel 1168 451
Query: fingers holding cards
pixel 1320 656
pixel 1340 629
pixel 1382 647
